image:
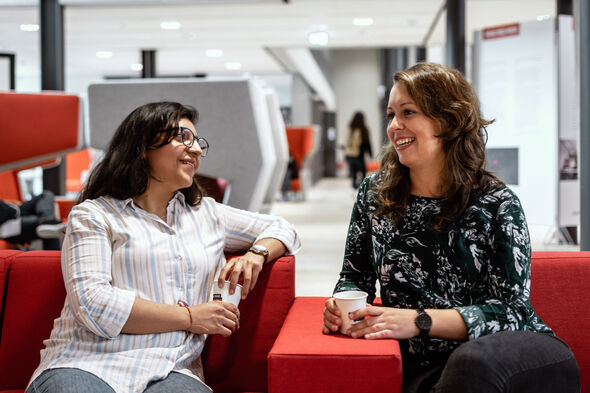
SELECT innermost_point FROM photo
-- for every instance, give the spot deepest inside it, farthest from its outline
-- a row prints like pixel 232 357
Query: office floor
pixel 322 222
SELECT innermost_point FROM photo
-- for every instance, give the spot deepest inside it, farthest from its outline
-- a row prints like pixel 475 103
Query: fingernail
pixel 350 315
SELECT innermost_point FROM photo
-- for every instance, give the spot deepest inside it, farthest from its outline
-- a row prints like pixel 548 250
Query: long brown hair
pixel 124 171
pixel 442 94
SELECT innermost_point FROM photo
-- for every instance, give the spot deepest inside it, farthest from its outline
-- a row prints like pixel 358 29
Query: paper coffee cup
pixel 349 301
pixel 223 293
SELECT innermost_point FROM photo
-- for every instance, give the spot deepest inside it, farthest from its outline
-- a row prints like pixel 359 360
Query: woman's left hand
pixel 385 322
pixel 246 267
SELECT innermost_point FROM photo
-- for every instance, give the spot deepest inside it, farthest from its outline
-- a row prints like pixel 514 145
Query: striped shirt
pixel 113 252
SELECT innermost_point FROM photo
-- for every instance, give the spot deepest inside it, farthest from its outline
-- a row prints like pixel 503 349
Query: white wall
pixel 355 81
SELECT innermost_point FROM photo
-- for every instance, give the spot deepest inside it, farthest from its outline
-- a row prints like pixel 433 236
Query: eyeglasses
pixel 186 136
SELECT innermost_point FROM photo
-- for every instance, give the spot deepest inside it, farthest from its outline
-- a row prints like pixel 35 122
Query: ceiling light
pixel 318 38
pixel 362 21
pixel 104 54
pixel 543 17
pixel 29 27
pixel 136 67
pixel 233 65
pixel 170 25
pixel 214 52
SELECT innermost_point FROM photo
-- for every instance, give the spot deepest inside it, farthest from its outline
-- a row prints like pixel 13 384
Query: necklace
pixel 163 217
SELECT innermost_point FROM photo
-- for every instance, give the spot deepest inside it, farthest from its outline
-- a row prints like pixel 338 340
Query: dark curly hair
pixel 444 95
pixel 124 171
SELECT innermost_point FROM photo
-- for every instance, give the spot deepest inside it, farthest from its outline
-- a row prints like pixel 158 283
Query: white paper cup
pixel 223 293
pixel 349 301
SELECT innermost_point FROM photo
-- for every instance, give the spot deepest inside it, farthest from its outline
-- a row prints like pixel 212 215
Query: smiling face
pixel 174 165
pixel 413 134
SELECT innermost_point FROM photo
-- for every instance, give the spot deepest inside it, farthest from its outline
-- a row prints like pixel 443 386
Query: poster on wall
pixel 569 124
pixel 514 73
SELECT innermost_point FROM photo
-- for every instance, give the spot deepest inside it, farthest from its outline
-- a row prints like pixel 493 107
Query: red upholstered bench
pixel 560 294
pixel 34 296
pixel 305 360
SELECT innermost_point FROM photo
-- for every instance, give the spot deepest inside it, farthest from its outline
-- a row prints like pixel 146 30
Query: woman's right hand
pixel 215 318
pixel 332 317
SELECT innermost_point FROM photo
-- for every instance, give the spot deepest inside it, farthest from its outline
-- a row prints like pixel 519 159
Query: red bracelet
pixel 182 303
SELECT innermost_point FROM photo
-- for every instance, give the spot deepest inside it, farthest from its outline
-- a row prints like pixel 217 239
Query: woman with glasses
pixel 142 251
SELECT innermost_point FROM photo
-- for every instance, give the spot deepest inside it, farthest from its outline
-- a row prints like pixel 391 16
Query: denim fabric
pixel 73 380
pixel 504 362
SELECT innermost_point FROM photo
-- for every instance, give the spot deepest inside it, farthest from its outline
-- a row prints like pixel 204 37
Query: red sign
pixel 501 31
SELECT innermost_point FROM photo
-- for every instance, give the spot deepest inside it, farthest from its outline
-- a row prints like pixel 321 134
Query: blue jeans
pixel 73 380
pixel 504 362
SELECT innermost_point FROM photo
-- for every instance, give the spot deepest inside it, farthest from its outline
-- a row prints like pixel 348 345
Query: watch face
pixel 423 321
pixel 259 249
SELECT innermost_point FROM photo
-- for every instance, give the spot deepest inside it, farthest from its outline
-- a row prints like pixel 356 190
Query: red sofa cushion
pixel 305 360
pixel 560 294
pixel 239 363
pixel 36 295
pixel 34 299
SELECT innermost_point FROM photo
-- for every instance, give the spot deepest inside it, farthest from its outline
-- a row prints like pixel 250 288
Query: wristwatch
pixel 424 322
pixel 260 250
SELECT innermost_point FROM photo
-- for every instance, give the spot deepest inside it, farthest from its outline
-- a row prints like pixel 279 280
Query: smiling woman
pixel 141 255
pixel 449 244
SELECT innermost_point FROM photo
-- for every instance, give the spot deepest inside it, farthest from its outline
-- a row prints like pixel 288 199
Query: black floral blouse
pixel 479 266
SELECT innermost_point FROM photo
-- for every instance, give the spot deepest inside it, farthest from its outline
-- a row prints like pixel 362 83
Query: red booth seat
pixel 300 140
pixel 304 359
pixel 34 296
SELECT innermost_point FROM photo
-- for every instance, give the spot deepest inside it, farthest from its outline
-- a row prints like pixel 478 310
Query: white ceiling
pixel 241 29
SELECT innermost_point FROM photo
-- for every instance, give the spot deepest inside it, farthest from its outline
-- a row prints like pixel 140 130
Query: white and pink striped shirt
pixel 113 252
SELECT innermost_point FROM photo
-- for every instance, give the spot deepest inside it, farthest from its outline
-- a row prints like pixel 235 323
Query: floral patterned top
pixel 479 265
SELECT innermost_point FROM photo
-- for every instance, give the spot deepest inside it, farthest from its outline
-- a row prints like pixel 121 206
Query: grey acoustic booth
pixel 234 116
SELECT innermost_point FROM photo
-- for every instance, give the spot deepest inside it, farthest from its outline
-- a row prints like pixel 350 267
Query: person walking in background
pixel 357 144
pixel 449 244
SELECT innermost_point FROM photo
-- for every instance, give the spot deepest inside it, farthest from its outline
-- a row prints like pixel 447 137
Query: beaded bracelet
pixel 182 303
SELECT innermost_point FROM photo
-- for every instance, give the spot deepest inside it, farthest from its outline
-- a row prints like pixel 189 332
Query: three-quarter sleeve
pixel 86 265
pixel 357 271
pixel 506 305
pixel 243 228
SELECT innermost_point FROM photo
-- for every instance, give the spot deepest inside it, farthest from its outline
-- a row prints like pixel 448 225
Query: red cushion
pixel 239 362
pixel 305 360
pixel 560 295
pixel 34 299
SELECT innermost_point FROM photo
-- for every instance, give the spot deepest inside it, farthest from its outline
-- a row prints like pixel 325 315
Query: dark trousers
pixel 504 362
pixel 38 210
pixel 357 170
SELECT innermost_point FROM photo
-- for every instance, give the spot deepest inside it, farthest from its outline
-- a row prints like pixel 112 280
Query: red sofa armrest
pixel 239 363
pixel 560 295
pixel 34 298
pixel 305 360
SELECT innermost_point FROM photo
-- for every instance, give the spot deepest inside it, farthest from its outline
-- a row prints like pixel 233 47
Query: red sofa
pixel 303 359
pixel 32 296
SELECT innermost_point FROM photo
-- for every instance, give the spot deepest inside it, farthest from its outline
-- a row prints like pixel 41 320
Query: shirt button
pixel 180 257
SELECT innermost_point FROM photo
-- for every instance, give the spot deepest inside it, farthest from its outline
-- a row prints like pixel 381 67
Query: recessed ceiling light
pixel 170 25
pixel 136 67
pixel 233 65
pixel 318 38
pixel 29 27
pixel 104 54
pixel 543 17
pixel 362 21
pixel 214 52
